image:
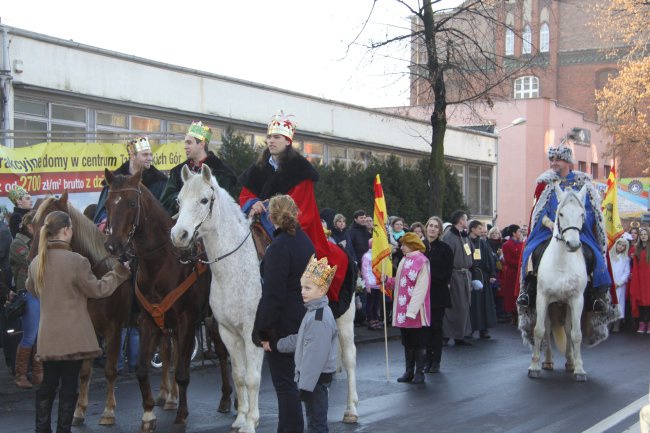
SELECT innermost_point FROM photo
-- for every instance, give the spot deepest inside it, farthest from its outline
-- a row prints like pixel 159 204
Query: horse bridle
pixel 134 226
pixel 195 235
pixel 561 231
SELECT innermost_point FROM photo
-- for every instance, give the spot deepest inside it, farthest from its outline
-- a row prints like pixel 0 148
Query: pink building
pixel 522 149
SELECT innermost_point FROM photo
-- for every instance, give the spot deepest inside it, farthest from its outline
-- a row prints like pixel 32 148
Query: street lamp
pixel 518 121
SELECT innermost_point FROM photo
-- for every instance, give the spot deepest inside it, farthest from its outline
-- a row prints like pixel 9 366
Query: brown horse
pixel 109 315
pixel 137 221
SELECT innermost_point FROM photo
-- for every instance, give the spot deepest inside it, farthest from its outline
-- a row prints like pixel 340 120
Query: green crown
pixel 199 131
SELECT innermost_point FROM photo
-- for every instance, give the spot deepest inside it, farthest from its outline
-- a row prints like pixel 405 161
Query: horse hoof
pixel 148 426
pixel 350 419
pixel 107 420
pixel 77 421
pixel 534 374
pixel 224 406
pixel 547 366
pixel 170 405
pixel 580 377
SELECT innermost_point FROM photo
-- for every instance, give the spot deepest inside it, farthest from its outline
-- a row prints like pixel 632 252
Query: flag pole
pixel 383 302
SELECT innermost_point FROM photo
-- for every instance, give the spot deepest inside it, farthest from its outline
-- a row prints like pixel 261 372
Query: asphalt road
pixel 482 388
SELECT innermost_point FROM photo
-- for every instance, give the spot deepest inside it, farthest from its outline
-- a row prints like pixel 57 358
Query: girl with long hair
pixel 63 282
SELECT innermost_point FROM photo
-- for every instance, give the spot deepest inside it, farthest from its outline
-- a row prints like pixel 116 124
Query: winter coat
pixel 65 331
pixel 359 236
pixel 18 257
pixel 221 172
pixel 16 219
pixel 441 260
pixel 281 309
pixel 316 344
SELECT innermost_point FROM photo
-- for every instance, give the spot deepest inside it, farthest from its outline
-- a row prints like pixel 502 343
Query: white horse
pixel 208 211
pixel 236 286
pixel 562 278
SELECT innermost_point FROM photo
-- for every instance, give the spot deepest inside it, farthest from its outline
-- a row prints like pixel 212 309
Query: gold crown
pixel 319 272
pixel 138 144
pixel 280 124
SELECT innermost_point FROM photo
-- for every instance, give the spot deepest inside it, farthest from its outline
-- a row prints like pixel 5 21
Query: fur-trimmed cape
pixel 266 182
pixel 545 188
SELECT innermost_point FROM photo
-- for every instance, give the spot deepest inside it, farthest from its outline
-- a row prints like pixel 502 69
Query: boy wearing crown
pixel 315 345
pixel 140 159
pixel 281 169
pixel 196 149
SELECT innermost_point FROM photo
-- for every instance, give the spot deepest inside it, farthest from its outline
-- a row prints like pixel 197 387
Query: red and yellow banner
pixel 77 167
pixel 613 225
pixel 381 263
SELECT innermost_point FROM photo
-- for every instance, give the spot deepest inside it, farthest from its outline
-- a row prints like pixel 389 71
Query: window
pixel 337 153
pixel 527 38
pixel 145 124
pixel 112 119
pixel 594 170
pixel 582 166
pixel 30 107
pixel 29 132
pixel 510 42
pixel 543 38
pixel 479 190
pixel 73 114
pixel 526 87
pixel 314 152
pixel 607 169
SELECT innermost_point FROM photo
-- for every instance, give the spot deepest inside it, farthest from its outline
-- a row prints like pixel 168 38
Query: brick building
pixel 569 59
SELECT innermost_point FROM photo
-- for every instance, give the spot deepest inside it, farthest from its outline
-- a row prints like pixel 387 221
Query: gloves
pixel 477 285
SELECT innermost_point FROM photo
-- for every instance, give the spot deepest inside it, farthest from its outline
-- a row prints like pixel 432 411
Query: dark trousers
pixel 316 408
pixel 55 373
pixel 374 304
pixel 434 338
pixel 282 369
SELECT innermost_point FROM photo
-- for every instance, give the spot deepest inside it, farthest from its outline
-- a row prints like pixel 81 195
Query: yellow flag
pixel 613 225
pixel 381 263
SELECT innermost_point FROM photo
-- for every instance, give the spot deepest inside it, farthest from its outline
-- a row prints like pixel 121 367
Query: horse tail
pixel 556 314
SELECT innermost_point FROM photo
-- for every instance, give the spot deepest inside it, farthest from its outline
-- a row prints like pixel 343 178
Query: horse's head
pixel 124 210
pixel 45 207
pixel 570 216
pixel 195 204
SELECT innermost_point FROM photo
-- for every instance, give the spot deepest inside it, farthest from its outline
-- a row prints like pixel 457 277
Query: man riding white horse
pixel 593 236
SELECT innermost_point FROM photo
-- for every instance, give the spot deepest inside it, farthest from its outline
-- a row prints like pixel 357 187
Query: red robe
pixel 640 283
pixel 309 218
pixel 510 274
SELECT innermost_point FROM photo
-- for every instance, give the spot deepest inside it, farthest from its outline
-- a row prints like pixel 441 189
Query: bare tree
pixel 457 57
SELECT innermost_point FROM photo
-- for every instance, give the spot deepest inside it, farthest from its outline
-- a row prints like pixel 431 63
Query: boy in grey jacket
pixel 315 345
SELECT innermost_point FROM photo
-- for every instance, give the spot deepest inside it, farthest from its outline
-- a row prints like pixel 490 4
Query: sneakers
pixel 643 328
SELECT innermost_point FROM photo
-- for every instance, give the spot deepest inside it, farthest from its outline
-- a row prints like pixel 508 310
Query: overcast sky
pixel 300 45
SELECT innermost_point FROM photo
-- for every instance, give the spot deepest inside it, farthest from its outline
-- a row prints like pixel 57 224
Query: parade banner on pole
pixel 381 263
pixel 613 225
pixel 77 167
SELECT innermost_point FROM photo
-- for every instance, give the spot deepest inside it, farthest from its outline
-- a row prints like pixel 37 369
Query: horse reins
pixel 158 310
pixel 561 231
pixel 195 235
pixel 134 226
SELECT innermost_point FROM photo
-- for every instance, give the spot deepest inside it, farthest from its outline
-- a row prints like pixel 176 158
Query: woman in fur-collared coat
pixel 63 282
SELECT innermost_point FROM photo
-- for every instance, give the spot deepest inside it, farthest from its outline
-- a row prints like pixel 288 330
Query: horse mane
pixel 87 239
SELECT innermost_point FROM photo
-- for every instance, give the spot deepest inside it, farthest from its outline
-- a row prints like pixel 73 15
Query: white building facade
pixel 55 90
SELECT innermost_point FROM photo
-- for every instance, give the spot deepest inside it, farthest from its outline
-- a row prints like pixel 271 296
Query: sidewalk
pixel 362 335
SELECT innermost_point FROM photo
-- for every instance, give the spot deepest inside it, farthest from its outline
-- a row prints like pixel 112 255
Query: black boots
pixel 430 366
pixel 415 364
pixel 44 413
pixel 528 291
pixel 67 406
pixel 420 359
pixel 409 355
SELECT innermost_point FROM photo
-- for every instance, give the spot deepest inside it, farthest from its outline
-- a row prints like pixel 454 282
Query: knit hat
pixel 562 152
pixel 16 194
pixel 338 216
pixel 413 241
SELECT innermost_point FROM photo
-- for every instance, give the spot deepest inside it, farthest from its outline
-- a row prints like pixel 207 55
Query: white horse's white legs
pixel 540 332
pixel 238 363
pixel 255 356
pixel 576 339
pixel 345 325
